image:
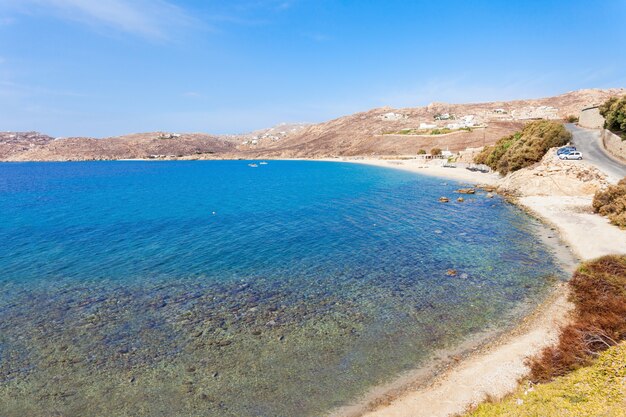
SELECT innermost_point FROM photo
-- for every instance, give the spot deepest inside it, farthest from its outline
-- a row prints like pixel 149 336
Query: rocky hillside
pixel 383 131
pixel 554 177
pixel 12 143
pixel 388 131
pixel 157 145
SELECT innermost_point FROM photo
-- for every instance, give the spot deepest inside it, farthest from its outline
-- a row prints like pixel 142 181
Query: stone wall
pixel 614 144
pixel 591 118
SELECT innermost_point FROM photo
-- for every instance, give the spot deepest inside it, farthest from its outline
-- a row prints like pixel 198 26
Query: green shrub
pixel 524 148
pixel 441 131
pixel 614 112
pixel 435 151
pixel 421 152
pixel 612 203
pixel 571 119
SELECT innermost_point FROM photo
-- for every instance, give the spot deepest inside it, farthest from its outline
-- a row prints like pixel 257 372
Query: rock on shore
pixel 554 177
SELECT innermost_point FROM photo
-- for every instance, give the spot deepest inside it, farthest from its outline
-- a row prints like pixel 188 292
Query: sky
pixel 108 67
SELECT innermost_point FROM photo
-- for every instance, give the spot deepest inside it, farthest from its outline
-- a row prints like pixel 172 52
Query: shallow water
pixel 217 289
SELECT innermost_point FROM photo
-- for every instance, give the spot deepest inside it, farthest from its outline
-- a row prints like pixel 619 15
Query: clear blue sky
pixel 107 67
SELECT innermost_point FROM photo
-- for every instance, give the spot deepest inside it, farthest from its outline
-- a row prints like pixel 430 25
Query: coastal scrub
pixel 599 295
pixel 612 203
pixel 597 390
pixel 524 148
pixel 614 113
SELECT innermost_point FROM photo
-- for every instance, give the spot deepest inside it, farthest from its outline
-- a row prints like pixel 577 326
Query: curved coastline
pixel 489 365
pixel 465 375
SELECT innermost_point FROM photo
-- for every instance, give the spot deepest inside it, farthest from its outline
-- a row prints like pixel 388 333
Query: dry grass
pixel 599 294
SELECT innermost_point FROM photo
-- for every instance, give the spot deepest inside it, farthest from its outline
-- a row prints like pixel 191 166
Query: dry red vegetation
pixel 599 295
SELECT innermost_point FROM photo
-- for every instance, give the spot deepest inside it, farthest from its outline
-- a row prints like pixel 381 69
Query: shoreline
pixel 494 367
pixel 471 372
pixel 489 363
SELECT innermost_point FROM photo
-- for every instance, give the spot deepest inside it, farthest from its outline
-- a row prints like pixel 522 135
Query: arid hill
pixel 383 131
pixel 388 131
pixel 12 143
pixel 157 145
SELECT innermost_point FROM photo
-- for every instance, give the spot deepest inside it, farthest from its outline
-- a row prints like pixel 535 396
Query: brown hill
pixel 12 143
pixel 383 131
pixel 388 131
pixel 158 145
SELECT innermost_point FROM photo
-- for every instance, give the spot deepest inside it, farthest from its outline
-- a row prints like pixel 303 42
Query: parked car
pixel 565 150
pixel 572 155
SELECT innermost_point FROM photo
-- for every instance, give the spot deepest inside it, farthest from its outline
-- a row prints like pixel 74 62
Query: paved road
pixel 588 142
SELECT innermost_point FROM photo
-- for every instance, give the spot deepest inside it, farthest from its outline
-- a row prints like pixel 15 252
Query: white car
pixel 572 155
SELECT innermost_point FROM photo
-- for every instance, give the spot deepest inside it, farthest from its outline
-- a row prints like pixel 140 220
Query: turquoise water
pixel 213 288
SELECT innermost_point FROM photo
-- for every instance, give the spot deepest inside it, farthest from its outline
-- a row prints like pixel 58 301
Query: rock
pixel 191 369
pixel 460 199
pixel 451 272
pixel 444 199
pixel 464 275
pixel 466 191
pixel 489 195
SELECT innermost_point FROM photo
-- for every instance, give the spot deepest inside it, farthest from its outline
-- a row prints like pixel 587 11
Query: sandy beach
pixel 494 370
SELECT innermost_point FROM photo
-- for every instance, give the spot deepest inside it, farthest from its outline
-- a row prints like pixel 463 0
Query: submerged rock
pixel 451 272
pixel 444 199
pixel 466 191
pixel 460 199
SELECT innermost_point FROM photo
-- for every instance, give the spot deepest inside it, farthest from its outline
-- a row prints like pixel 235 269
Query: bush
pixel 524 148
pixel 592 391
pixel 435 151
pixel 421 152
pixel 612 203
pixel 614 112
pixel 441 131
pixel 599 295
pixel 571 119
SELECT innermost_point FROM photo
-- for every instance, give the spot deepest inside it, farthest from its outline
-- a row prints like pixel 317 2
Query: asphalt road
pixel 588 142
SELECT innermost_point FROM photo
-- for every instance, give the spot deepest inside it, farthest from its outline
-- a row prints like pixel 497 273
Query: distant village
pixel 454 122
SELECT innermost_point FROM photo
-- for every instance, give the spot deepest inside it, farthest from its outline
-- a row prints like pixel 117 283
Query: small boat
pixel 263 163
pixel 253 165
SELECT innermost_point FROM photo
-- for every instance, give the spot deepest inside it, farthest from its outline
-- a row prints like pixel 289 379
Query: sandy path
pixel 496 370
pixel 589 235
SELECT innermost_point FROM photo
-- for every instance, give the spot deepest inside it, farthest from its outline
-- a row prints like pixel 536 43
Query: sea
pixel 216 288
